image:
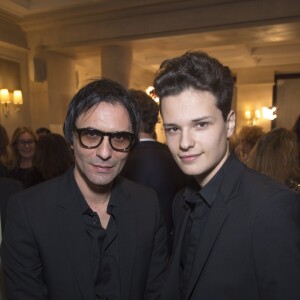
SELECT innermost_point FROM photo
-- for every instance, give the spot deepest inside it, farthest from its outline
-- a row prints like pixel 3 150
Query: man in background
pixel 151 163
pixel 42 131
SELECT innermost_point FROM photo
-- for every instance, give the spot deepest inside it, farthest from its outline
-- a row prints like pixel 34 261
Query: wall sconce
pixel 253 117
pixel 5 99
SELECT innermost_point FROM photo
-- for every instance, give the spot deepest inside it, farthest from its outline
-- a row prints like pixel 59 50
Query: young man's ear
pixel 230 123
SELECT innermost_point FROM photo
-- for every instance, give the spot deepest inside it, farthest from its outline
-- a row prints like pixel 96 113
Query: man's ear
pixel 230 123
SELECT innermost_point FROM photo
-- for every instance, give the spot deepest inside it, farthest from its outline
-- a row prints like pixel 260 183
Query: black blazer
pixel 250 247
pixel 45 250
pixel 151 164
pixel 8 187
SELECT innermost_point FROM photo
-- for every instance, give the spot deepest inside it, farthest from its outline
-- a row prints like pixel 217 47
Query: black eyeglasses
pixel 23 143
pixel 90 138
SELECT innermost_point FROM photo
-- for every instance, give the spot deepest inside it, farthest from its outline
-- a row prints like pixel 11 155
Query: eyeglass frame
pixel 23 143
pixel 102 134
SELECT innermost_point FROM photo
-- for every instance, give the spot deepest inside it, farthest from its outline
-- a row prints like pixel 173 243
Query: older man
pixel 89 234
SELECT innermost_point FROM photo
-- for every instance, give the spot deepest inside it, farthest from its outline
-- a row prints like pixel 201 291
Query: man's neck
pixel 93 194
pixel 146 136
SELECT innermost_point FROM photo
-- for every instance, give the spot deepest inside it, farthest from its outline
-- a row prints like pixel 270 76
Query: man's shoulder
pixel 257 191
pixel 134 191
pixel 8 184
pixel 126 184
pixel 263 183
pixel 44 193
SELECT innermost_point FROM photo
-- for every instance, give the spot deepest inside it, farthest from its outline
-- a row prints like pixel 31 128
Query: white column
pixel 61 75
pixel 116 63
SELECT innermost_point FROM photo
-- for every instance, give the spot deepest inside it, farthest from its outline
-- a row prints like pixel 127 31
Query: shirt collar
pixel 85 208
pixel 208 193
pixel 147 140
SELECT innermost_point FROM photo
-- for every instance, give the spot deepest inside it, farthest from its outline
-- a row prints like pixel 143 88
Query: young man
pixel 89 234
pixel 237 232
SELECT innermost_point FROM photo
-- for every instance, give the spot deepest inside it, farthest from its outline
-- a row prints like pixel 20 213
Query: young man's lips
pixel 189 157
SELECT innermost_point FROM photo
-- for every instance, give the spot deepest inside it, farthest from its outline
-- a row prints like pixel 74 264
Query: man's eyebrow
pixel 202 119
pixel 169 124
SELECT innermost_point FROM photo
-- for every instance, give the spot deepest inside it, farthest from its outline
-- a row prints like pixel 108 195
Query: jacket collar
pixel 228 190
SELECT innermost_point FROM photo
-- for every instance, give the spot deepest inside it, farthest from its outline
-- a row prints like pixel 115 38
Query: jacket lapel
pixel 73 231
pixel 171 288
pixel 126 226
pixel 218 215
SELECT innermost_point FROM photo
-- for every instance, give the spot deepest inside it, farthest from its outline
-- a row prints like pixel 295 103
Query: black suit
pixel 250 246
pixel 8 187
pixel 45 251
pixel 152 164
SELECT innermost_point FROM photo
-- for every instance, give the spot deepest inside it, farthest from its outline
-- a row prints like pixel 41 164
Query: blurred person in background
pixel 23 144
pixel 5 153
pixel 8 187
pixel 245 141
pixel 151 163
pixel 42 131
pixel 296 129
pixel 53 155
pixel 276 155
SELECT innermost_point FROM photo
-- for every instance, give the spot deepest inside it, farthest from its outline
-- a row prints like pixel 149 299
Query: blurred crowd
pixel 32 157
pixel 275 153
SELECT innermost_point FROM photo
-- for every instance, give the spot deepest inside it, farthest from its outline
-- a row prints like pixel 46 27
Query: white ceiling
pixel 272 45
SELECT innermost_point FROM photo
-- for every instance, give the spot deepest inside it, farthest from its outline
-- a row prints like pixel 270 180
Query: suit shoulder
pixel 263 182
pixel 41 194
pixel 133 186
pixel 136 192
pixel 264 193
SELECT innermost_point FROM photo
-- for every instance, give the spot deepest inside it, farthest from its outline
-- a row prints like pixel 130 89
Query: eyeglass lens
pixel 23 143
pixel 92 138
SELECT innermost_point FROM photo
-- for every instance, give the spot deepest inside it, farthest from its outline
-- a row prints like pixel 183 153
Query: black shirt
pixel 103 247
pixel 199 201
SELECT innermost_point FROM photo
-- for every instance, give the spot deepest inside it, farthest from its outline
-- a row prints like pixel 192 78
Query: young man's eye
pixel 172 130
pixel 201 124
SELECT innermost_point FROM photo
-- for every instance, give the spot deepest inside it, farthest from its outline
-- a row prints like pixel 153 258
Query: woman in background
pixel 276 155
pixel 23 146
pixel 245 141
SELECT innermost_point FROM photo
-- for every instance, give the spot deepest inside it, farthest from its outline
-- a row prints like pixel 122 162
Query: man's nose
pixel 104 150
pixel 186 140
